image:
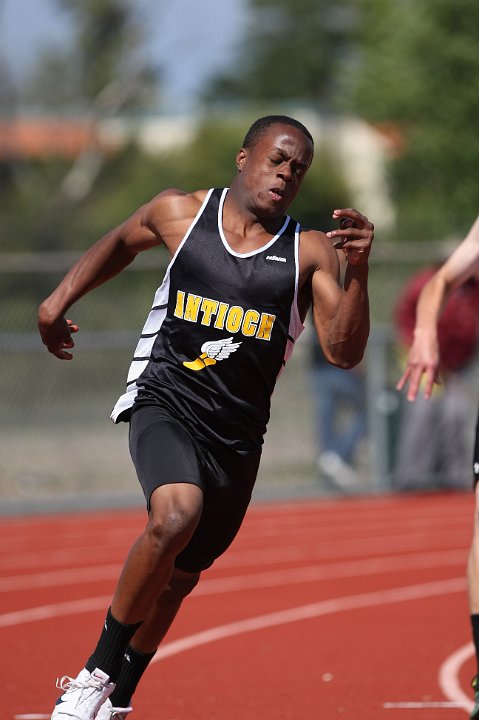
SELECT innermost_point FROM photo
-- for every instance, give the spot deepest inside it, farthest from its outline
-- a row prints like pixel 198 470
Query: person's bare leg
pixel 174 515
pixel 473 561
pixel 473 593
pixel 164 610
pixel 149 635
pixel 147 573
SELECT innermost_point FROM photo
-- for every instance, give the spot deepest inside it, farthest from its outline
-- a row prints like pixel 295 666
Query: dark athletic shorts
pixel 164 452
pixel 475 459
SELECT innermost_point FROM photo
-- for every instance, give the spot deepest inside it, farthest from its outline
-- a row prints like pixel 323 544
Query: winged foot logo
pixel 212 352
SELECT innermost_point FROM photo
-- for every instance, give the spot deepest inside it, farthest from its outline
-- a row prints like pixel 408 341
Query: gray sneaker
pixel 83 696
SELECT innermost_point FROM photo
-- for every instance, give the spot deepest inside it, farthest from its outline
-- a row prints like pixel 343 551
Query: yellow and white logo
pixel 212 352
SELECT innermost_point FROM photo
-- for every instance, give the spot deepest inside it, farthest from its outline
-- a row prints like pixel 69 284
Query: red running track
pixel 321 609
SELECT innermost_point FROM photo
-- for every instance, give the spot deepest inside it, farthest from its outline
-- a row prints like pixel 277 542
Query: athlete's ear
pixel 240 159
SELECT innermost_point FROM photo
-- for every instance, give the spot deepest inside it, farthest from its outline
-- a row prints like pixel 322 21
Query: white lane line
pixel 449 676
pixel 333 550
pixel 306 612
pixel 420 705
pixel 271 578
pixel 59 578
pixel 326 548
pixel 46 612
pixel 65 556
pixel 56 578
pixel 72 607
pixel 314 573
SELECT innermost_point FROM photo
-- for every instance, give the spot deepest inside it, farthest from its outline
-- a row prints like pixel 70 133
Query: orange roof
pixel 43 137
pixel 394 136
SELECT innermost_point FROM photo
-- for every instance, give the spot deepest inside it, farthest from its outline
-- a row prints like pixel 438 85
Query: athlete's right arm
pixel 160 221
pixel 423 357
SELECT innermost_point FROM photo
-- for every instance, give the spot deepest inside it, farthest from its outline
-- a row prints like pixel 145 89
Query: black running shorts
pixel 164 452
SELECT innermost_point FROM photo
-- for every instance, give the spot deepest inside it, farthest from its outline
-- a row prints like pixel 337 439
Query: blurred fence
pixel 58 448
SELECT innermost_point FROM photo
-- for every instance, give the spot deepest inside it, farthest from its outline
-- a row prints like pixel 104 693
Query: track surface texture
pixel 332 608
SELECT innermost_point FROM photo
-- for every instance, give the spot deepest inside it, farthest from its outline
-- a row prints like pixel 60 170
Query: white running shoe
pixel 108 712
pixel 338 471
pixel 83 696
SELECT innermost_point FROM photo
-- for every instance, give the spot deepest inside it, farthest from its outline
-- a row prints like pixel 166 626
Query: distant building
pixel 40 137
pixel 361 149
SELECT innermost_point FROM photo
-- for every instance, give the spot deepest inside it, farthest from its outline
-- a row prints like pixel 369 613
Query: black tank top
pixel 220 330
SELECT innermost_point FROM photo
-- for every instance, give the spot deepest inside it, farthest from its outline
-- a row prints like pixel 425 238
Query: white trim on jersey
pixel 296 327
pixel 151 328
pixel 190 229
pixel 225 241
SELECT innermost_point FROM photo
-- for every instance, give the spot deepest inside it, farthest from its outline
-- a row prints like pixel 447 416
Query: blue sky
pixel 190 39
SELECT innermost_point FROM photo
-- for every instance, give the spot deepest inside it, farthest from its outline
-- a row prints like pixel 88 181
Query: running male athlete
pixel 232 303
pixel 423 364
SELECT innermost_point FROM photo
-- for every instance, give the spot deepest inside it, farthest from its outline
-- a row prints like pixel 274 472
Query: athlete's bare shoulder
pixel 175 204
pixel 316 252
pixel 170 213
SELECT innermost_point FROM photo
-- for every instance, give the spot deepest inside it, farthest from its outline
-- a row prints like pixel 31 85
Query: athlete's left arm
pixel 341 314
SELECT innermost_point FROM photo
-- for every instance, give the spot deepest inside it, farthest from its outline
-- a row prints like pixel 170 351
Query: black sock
pixel 133 666
pixel 475 636
pixel 114 639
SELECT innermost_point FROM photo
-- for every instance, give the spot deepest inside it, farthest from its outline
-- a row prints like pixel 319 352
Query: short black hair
pixel 260 126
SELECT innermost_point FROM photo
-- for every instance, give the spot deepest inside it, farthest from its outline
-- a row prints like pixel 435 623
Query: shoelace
pixel 68 684
pixel 92 685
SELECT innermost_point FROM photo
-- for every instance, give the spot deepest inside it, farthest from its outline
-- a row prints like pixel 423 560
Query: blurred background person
pixel 340 420
pixel 435 443
pixel 421 374
pixel 340 417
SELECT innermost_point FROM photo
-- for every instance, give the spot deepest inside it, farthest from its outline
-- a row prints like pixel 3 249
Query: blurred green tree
pixel 293 49
pixel 409 65
pixel 418 69
pixel 209 161
pixel 100 74
pixel 103 69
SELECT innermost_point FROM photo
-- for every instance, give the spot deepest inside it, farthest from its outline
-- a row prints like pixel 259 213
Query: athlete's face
pixel 271 172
